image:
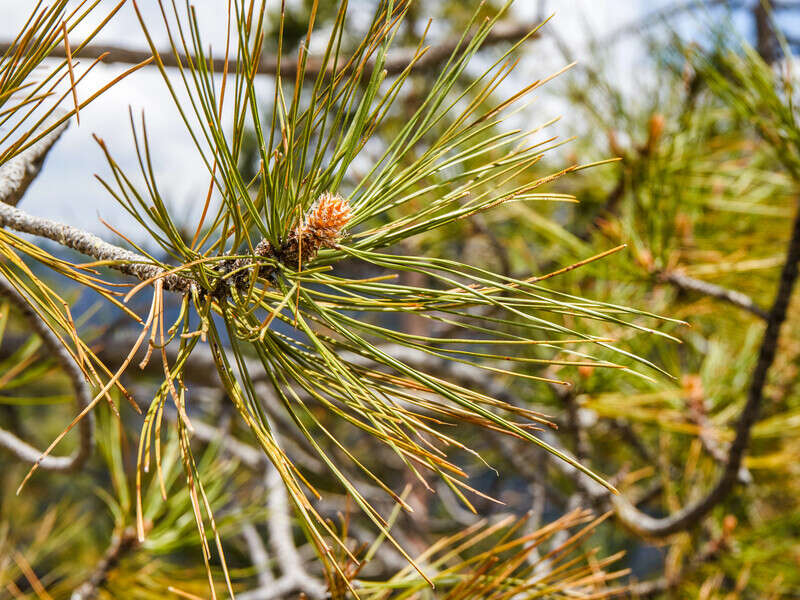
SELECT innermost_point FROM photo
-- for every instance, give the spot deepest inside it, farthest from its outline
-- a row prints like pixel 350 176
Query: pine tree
pixel 330 347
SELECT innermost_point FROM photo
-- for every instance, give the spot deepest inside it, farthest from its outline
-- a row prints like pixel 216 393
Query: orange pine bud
pixel 326 220
pixel 322 227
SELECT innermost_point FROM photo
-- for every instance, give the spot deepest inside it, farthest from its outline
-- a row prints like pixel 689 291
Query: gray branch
pixel 83 395
pixel 690 284
pixel 89 244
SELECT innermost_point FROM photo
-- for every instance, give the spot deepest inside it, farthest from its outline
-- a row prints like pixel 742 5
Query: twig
pixel 717 451
pixel 83 395
pixel 568 398
pixel 395 63
pixel 121 544
pixel 534 522
pixel 282 540
pixel 293 575
pixel 743 301
pixel 627 512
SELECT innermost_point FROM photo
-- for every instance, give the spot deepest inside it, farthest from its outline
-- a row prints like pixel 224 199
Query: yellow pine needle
pixel 262 331
pixel 71 73
pixel 30 575
pixel 94 401
pixel 183 594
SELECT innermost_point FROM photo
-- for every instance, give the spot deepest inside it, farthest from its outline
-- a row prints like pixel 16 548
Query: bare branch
pixel 396 62
pixel 89 244
pixel 739 299
pixel 83 395
pixel 635 519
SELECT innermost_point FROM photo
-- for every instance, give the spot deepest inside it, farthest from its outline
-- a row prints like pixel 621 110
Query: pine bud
pixel 322 227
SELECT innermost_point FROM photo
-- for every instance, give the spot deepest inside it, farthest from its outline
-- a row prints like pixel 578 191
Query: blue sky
pixel 67 190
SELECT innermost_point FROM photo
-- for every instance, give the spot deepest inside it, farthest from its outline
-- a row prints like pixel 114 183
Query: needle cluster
pixel 321 227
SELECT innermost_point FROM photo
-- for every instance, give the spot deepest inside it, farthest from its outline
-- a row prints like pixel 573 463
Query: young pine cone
pixel 321 227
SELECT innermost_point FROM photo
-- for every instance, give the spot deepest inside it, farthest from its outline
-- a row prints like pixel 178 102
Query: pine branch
pixel 200 366
pixel 83 395
pixel 690 515
pixel 89 244
pixel 395 64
